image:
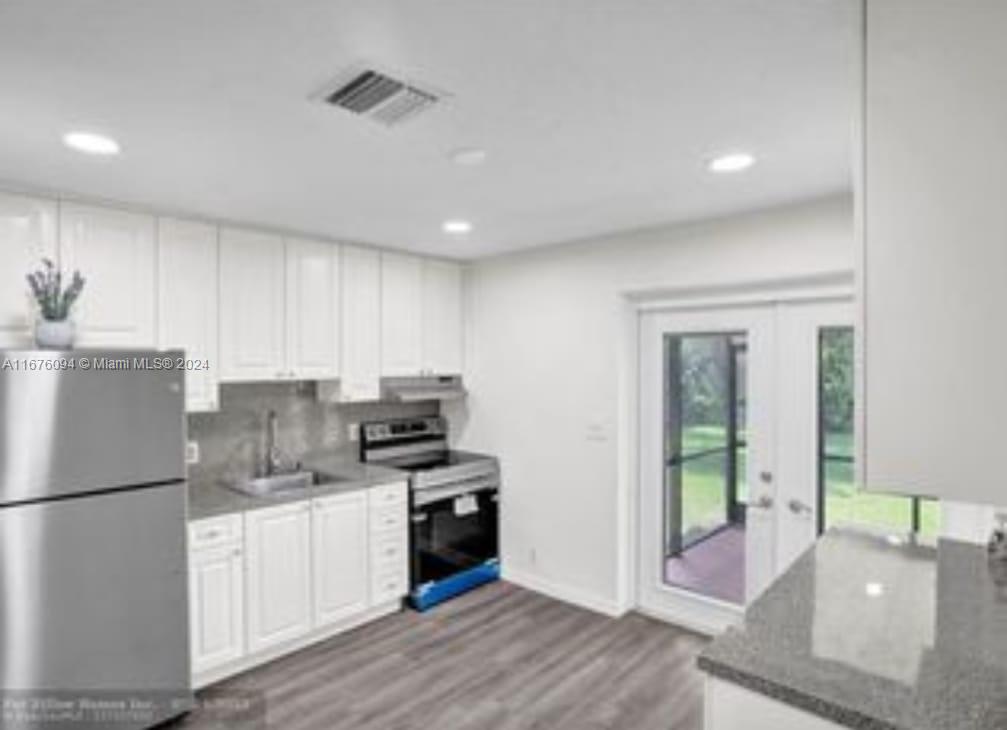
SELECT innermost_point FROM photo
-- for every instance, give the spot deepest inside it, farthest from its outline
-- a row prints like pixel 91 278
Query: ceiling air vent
pixel 382 98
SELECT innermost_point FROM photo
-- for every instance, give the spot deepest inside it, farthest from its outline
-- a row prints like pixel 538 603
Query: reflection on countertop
pixel 873 632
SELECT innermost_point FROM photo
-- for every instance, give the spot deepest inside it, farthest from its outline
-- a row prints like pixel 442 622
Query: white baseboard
pixel 565 593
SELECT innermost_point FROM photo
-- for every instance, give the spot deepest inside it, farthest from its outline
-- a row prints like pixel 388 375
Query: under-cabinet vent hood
pixel 423 387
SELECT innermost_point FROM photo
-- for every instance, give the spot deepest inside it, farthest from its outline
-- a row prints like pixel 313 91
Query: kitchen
pixel 505 391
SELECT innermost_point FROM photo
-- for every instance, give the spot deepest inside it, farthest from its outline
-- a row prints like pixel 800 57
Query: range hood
pixel 422 387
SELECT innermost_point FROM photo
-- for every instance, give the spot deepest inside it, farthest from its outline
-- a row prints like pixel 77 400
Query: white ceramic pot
pixel 54 335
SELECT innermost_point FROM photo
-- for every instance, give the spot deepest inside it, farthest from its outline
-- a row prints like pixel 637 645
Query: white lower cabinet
pixel 278 541
pixel 339 536
pixel 216 607
pixel 728 706
pixel 389 559
pixel 276 579
pixel 216 592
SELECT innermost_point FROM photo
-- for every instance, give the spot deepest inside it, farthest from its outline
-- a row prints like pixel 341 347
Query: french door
pixel 728 453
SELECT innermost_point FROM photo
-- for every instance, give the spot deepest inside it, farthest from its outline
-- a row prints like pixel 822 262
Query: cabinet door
pixel 278 550
pixel 27 234
pixel 312 309
pixel 339 534
pixel 935 257
pixel 115 252
pixel 216 611
pixel 361 320
pixel 401 314
pixel 187 303
pixel 251 306
pixel 442 317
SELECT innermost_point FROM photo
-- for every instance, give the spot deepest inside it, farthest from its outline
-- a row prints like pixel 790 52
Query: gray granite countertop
pixel 872 633
pixel 211 497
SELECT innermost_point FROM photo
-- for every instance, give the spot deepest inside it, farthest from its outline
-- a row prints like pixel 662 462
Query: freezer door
pixel 93 604
pixel 76 430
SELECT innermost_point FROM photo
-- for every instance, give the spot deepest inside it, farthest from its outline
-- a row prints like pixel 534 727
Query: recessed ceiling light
pixel 457 227
pixel 91 143
pixel 734 162
pixel 874 590
pixel 468 156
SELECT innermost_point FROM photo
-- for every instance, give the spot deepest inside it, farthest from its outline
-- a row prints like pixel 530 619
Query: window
pixel 841 499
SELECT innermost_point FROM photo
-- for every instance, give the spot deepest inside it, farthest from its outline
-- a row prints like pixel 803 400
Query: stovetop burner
pixel 420 447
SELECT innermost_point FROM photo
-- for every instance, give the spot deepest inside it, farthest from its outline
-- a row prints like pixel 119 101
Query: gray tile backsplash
pixel 231 439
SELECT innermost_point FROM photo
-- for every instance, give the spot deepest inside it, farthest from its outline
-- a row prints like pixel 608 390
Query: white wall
pixel 545 338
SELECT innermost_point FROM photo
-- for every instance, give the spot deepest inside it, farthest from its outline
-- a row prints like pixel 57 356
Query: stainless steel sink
pixel 276 483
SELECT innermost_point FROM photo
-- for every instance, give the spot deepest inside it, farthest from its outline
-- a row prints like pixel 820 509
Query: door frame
pixel 707 618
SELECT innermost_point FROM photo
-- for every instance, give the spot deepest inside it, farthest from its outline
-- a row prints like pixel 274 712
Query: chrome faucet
pixel 273 460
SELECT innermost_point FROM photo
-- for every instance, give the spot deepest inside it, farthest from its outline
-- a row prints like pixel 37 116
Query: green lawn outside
pixel 704 501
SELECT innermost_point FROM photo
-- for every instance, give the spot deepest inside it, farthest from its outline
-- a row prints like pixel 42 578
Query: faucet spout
pixel 273 460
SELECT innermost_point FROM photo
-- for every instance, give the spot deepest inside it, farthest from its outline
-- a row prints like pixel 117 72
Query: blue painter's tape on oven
pixel 429 595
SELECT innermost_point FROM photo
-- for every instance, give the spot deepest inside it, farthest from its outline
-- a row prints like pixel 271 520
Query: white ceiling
pixel 597 115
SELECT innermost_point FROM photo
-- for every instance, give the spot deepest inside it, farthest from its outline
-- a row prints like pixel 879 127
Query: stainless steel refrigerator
pixel 93 605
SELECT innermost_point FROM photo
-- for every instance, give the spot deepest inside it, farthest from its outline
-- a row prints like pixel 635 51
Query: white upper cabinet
pixel 252 317
pixel 361 324
pixel 442 317
pixel 27 234
pixel 187 303
pixel 401 314
pixel 115 251
pixel 935 254
pixel 421 316
pixel 313 305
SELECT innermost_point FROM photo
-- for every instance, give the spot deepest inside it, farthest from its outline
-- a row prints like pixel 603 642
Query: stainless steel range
pixel 454 531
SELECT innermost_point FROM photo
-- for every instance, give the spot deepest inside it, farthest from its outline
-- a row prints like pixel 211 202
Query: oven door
pixel 453 530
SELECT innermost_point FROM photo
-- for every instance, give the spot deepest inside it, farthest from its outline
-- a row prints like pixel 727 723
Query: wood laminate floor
pixel 499 658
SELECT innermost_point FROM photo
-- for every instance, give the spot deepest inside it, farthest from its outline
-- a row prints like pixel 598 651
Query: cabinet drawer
pixel 389 494
pixel 215 531
pixel 388 553
pixel 391 518
pixel 389 586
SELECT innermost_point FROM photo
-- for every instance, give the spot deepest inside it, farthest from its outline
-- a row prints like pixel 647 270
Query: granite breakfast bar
pixel 870 632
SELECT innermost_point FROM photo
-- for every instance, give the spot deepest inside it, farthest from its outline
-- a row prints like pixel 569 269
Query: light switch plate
pixel 353 431
pixel 191 452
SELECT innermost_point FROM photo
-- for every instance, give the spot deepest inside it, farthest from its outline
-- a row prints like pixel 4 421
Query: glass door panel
pixel 704 391
pixel 706 447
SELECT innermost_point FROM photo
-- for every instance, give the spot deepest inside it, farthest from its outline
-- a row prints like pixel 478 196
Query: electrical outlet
pixel 353 431
pixel 191 452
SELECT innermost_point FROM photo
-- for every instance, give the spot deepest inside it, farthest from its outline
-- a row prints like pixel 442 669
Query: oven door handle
pixel 437 494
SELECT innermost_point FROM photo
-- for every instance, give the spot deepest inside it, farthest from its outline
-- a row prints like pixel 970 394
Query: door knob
pixel 766 477
pixel 799 508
